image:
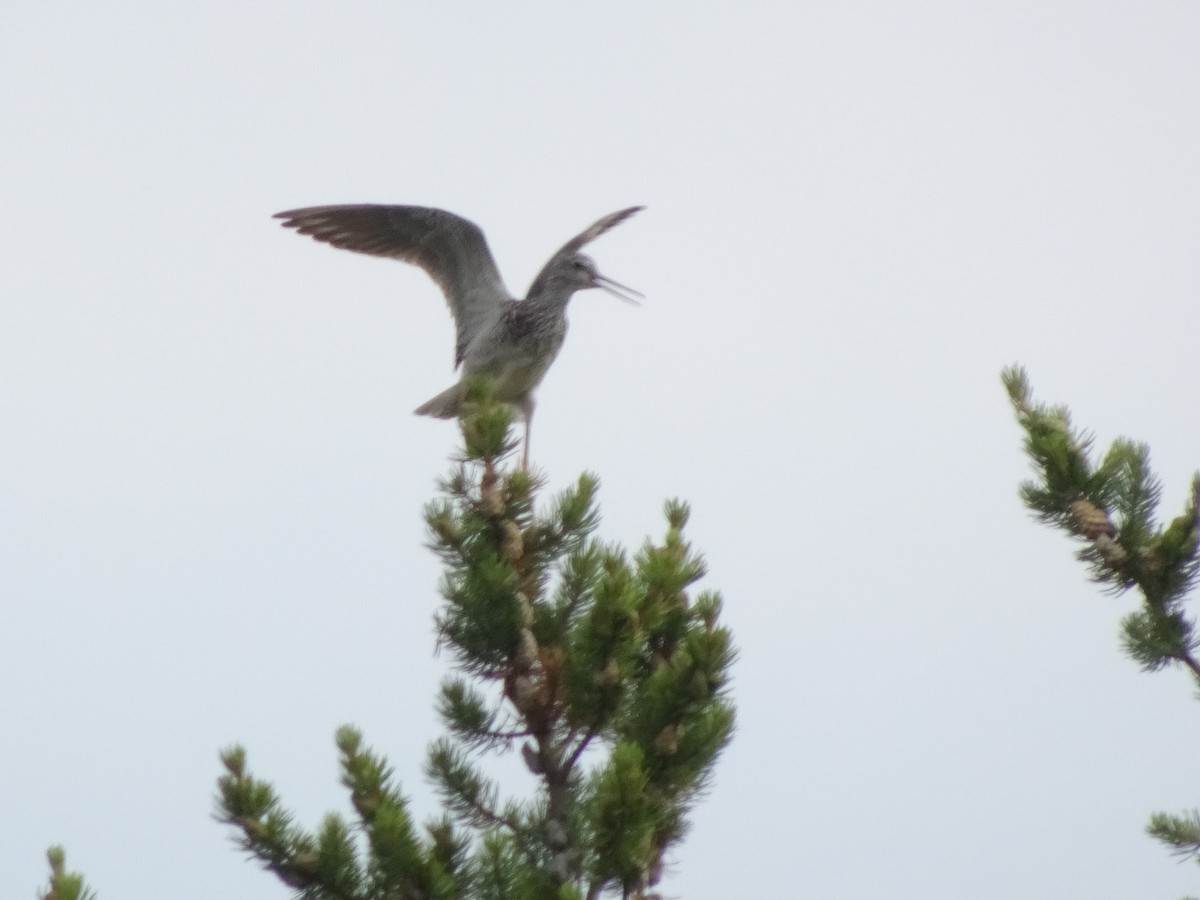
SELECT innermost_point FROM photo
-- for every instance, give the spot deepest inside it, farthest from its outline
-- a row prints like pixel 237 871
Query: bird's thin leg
pixel 527 410
pixel 525 449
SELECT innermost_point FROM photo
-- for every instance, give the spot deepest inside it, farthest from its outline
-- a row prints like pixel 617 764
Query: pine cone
pixel 1090 520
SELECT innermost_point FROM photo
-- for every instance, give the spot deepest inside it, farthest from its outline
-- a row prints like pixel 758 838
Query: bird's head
pixel 581 273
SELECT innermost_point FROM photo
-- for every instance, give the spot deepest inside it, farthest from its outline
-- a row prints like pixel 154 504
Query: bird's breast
pixel 517 355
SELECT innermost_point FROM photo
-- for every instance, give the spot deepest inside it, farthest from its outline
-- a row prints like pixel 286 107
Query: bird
pixel 512 341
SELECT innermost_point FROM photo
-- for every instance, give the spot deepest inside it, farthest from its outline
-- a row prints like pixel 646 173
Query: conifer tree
pixel 1109 505
pixel 602 670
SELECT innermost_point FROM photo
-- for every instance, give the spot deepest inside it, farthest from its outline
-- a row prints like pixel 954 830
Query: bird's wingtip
pixel 626 213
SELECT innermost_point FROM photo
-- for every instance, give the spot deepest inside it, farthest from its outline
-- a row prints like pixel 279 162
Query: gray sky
pixel 211 481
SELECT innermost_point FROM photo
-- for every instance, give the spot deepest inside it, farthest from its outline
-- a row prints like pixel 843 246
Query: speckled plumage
pixel 513 341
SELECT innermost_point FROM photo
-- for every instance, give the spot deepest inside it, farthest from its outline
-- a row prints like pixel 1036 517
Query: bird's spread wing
pixel 452 250
pixel 575 244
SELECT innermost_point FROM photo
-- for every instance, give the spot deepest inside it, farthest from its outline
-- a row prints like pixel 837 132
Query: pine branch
pixel 467 716
pixel 1181 833
pixel 321 868
pixel 1111 508
pixel 64 885
pixel 464 789
pixel 569 766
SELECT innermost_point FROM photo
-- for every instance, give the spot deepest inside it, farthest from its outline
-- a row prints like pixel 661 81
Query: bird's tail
pixel 444 406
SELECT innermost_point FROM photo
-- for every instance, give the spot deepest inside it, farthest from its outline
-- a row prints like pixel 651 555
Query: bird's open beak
pixel 628 294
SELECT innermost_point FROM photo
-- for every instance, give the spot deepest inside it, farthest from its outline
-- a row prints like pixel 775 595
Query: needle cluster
pixel 64 885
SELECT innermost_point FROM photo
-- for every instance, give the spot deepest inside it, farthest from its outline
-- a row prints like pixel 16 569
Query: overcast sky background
pixel 211 480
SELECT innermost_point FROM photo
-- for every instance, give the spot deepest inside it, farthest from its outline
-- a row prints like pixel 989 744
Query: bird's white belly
pixel 514 379
pixel 516 371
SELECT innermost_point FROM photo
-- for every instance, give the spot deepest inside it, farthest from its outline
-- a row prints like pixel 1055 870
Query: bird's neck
pixel 550 302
